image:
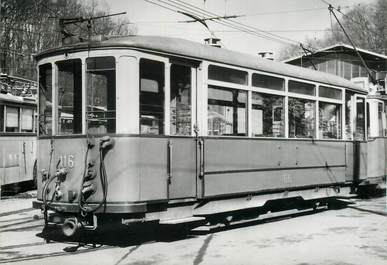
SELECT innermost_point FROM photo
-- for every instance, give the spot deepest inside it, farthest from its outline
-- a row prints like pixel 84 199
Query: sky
pixel 292 20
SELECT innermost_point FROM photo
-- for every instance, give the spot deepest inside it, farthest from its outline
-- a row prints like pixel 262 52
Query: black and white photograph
pixel 203 132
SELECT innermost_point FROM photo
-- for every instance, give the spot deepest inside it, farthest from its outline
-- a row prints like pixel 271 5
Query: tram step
pixel 192 219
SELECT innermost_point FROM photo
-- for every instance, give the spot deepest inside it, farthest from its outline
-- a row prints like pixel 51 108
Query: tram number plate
pixel 66 161
pixel 287 179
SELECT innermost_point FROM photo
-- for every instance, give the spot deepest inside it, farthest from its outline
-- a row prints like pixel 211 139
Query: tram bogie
pixel 151 129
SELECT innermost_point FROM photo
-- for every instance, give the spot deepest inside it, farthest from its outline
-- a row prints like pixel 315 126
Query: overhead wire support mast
pixel 67 21
pixel 331 10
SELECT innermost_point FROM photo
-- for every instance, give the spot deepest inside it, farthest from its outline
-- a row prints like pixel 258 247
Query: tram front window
pixel 45 99
pixel 226 111
pixel 151 97
pixel 329 121
pixel 70 97
pixel 101 95
pixel 302 116
pixel 180 103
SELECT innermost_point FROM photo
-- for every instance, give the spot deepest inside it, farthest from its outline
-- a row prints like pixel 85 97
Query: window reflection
pixel 360 119
pixel 268 118
pixel 329 121
pixel 70 97
pixel 180 102
pixel 151 97
pixel 348 114
pixel 101 95
pixel 302 117
pixel 45 99
pixel 226 111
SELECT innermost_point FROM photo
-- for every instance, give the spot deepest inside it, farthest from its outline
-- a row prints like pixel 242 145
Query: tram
pixel 17 141
pixel 144 129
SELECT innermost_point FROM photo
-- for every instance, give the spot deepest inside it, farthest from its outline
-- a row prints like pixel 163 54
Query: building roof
pixel 198 51
pixel 342 48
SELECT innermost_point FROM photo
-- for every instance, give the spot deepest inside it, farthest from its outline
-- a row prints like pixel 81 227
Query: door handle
pixel 170 158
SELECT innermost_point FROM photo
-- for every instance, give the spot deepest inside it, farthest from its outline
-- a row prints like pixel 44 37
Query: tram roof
pixel 195 50
pixel 16 99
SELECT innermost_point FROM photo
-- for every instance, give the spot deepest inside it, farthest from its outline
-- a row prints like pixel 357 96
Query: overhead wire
pixel 227 23
pixel 251 28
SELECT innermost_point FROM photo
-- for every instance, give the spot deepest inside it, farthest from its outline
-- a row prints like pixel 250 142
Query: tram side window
pixel 70 97
pixel 101 95
pixel 268 116
pixel 329 121
pixel 45 99
pixel 329 92
pixel 1 118
pixel 302 116
pixel 227 111
pixel 180 102
pixel 12 119
pixel 151 97
pixel 348 114
pixel 27 120
pixel 270 82
pixel 360 119
pixel 224 74
pixel 302 88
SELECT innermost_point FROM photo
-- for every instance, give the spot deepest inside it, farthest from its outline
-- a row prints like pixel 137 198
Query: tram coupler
pixel 72 225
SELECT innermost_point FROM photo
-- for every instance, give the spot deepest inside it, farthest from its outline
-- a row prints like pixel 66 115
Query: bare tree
pixel 29 26
pixel 365 24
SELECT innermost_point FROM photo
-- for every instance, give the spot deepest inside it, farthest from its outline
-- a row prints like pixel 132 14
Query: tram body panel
pixel 376 162
pixel 17 157
pixel 243 166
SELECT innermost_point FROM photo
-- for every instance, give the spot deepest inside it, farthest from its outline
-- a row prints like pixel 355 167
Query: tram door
pixel 182 118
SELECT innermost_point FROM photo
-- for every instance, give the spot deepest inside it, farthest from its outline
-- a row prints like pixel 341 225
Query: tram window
pixel 45 99
pixel 180 102
pixel 266 81
pixel 226 111
pixel 1 118
pixel 302 116
pixel 151 97
pixel 302 88
pixel 27 120
pixel 227 75
pixel 70 97
pixel 380 119
pixel 329 92
pixel 368 119
pixel 12 119
pixel 101 96
pixel 360 119
pixel 348 114
pixel 329 121
pixel 268 117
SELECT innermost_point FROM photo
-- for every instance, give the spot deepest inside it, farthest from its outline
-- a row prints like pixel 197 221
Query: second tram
pixel 17 140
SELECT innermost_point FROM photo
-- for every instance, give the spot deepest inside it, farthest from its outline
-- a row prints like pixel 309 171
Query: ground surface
pixel 352 235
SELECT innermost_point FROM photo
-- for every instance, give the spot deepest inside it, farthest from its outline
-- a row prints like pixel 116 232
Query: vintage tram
pixel 155 129
pixel 17 141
